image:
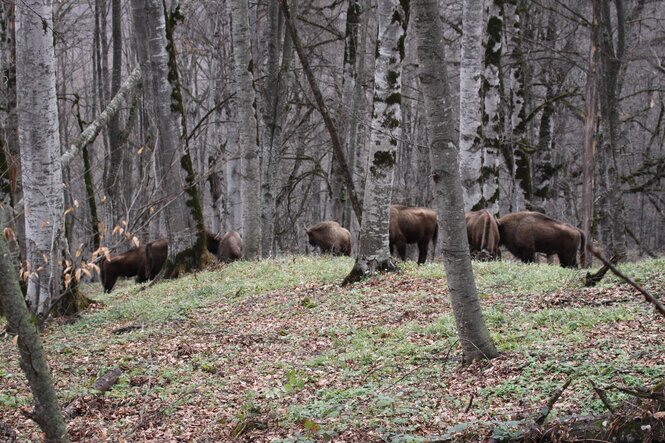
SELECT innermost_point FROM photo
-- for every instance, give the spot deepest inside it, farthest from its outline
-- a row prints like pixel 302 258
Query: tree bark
pixel 249 149
pixel 40 152
pixel 33 360
pixel 373 244
pixel 447 186
pixel 182 213
pixel 470 123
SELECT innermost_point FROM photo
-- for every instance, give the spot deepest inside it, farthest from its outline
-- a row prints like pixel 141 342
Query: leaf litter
pixel 317 362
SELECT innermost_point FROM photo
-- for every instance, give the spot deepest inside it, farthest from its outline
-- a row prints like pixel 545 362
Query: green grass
pixel 278 348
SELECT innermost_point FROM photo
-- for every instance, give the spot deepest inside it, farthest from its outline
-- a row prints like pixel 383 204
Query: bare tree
pixel 39 141
pixel 247 127
pixel 473 334
pixel 373 246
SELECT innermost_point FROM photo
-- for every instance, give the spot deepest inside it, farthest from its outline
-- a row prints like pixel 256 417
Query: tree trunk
pixel 470 124
pixel 40 152
pixel 33 361
pixel 590 128
pixel 249 149
pixel 182 213
pixel 447 186
pixel 373 245
pixel 492 115
pixel 111 182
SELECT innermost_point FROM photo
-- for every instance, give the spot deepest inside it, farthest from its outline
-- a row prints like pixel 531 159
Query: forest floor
pixel 278 351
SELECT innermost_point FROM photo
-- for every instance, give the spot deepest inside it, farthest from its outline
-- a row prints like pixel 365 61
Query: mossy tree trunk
pixel 373 246
pixel 33 360
pixel 182 210
pixel 447 186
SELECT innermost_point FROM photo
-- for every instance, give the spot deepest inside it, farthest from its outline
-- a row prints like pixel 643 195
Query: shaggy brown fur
pixel 230 247
pixel 331 237
pixel 412 225
pixel 129 264
pixel 155 257
pixel 483 233
pixel 525 233
pixel 212 242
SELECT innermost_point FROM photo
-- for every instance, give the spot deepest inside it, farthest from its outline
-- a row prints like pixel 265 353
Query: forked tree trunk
pixel 249 148
pixel 373 247
pixel 40 152
pixel 473 334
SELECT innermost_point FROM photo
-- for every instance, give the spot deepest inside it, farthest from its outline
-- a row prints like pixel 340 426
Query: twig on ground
pixel 545 410
pixel 603 397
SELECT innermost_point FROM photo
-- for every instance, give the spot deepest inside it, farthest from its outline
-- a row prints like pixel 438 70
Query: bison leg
pixel 568 261
pixel 422 252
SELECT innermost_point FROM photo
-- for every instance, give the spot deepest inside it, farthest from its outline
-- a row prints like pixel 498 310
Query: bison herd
pixel 522 233
pixel 145 262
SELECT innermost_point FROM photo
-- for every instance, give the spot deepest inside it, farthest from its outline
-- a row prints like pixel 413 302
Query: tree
pixel 470 123
pixel 447 187
pixel 33 360
pixel 182 212
pixel 373 245
pixel 39 142
pixel 247 126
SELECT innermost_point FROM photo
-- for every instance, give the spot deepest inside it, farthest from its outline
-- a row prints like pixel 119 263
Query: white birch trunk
pixel 473 334
pixel 373 245
pixel 40 151
pixel 470 124
pixel 150 34
pixel 245 99
pixel 491 105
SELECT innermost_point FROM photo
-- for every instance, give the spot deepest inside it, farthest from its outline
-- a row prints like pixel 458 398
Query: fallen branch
pixel 101 385
pixel 603 397
pixel 545 410
pixel 650 298
pixel 592 279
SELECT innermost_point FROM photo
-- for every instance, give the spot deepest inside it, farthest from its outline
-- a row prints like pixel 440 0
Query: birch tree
pixel 182 214
pixel 373 245
pixel 247 127
pixel 492 115
pixel 470 124
pixel 39 142
pixel 447 187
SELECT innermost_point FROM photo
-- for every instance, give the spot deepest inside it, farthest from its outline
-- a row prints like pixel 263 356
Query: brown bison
pixel 155 257
pixel 330 237
pixel 230 247
pixel 525 233
pixel 134 263
pixel 212 242
pixel 412 225
pixel 483 233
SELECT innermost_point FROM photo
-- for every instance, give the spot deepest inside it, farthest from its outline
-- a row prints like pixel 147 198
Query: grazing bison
pixel 483 233
pixel 412 225
pixel 133 263
pixel 155 257
pixel 212 242
pixel 331 237
pixel 525 233
pixel 230 247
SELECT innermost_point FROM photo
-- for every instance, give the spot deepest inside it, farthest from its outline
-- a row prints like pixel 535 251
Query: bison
pixel 230 247
pixel 330 237
pixel 412 225
pixel 483 233
pixel 525 233
pixel 155 257
pixel 133 263
pixel 212 242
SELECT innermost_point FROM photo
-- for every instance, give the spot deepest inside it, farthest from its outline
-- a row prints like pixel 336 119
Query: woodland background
pixel 539 122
